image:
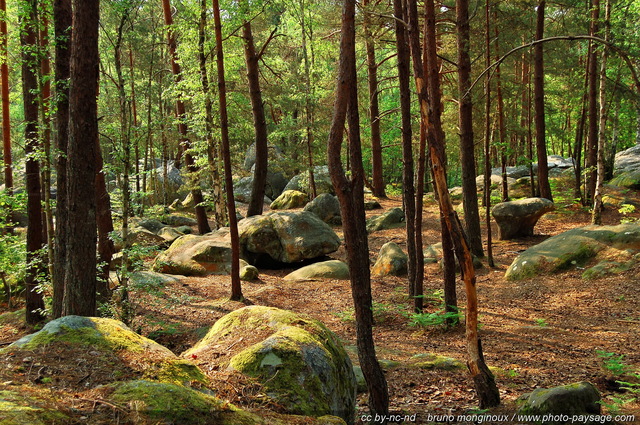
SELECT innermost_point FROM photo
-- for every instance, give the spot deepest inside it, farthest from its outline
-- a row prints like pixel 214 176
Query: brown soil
pixel 539 332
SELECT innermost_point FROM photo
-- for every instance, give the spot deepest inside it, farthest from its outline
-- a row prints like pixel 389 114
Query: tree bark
pixel 62 16
pixel 259 123
pixel 350 193
pixel 236 288
pixel 538 78
pixel 467 148
pixel 181 114
pixel 35 241
pixel 502 130
pixel 6 122
pixel 374 106
pixel 487 136
pixel 80 273
pixel 592 138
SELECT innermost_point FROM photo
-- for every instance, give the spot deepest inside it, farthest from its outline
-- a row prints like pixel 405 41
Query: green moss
pixel 435 361
pixel 17 410
pixel 12 317
pixel 179 371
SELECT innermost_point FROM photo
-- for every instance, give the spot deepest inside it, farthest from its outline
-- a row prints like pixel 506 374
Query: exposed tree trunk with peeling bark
pixel 181 114
pixel 350 193
pixel 236 288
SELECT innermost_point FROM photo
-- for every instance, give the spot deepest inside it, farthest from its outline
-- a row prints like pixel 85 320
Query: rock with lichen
pixel 331 269
pixel 518 218
pixel 391 261
pixel 573 400
pixel 300 363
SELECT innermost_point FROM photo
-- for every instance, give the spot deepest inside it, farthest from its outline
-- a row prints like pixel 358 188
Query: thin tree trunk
pixel 351 195
pixel 6 123
pixel 236 288
pixel 467 148
pixel 259 123
pixel 592 138
pixel 487 138
pixel 374 106
pixel 578 148
pixel 80 274
pixel 35 241
pixel 502 129
pixel 196 193
pixel 62 27
pixel 596 217
pixel 541 145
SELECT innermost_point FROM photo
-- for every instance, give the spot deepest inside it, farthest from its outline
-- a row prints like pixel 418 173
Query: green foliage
pixel 437 318
pixel 12 245
pixel 626 210
pixel 542 323
pixel 613 363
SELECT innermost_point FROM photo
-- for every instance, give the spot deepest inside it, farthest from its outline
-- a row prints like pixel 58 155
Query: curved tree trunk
pixel 350 193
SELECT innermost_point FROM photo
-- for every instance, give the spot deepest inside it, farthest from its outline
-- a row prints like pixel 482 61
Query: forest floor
pixel 540 332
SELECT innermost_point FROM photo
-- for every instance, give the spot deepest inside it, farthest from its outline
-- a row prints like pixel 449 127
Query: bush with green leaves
pixel 12 246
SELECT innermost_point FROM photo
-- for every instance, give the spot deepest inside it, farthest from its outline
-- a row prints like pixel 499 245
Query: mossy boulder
pixel 141 237
pixel 178 220
pixel 197 255
pixel 18 409
pixel 300 363
pixel 326 207
pixel 389 220
pixel 332 269
pixel 285 237
pixel 435 361
pixel 391 261
pixel 321 180
pixel 628 180
pixel 574 248
pixel 169 234
pixel 289 199
pixel 518 218
pixel 577 399
pixel 111 345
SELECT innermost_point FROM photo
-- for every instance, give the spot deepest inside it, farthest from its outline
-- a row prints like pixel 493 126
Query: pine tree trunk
pixel 236 289
pixel 487 137
pixel 467 148
pixel 80 273
pixel 350 193
pixel 592 138
pixel 6 123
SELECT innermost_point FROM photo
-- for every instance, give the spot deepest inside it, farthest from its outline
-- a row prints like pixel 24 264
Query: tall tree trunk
pixel 592 138
pixel 212 149
pixel 259 123
pixel 350 193
pixel 578 148
pixel 487 137
pixel 236 289
pixel 596 217
pixel 538 77
pixel 62 28
pixel 309 90
pixel 502 129
pixel 80 273
pixel 35 241
pixel 196 193
pixel 6 123
pixel 467 148
pixel 374 106
pixel 408 192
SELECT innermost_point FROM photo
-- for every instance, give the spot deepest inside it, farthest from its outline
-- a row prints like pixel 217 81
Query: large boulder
pixel 289 199
pixel 574 248
pixel 197 255
pixel 332 269
pixel 274 186
pixel 566 401
pixel 321 178
pixel 171 187
pixel 388 220
pixel 286 237
pixel 326 207
pixel 300 363
pixel 141 237
pixel 391 261
pixel 518 218
pixel 627 161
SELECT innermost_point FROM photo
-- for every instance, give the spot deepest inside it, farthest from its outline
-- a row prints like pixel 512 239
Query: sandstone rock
pixel 391 261
pixel 321 178
pixel 286 237
pixel 572 400
pixel 574 248
pixel 332 269
pixel 289 199
pixel 197 255
pixel 169 234
pixel 518 218
pixel 299 361
pixel 390 219
pixel 326 207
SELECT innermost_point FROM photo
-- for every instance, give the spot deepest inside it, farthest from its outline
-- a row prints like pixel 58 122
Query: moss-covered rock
pixel 391 261
pixel 435 361
pixel 629 180
pixel 300 363
pixel 581 398
pixel 573 248
pixel 197 255
pixel 332 269
pixel 289 199
pixel 518 218
pixel 17 409
pixel 390 219
pixel 112 342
